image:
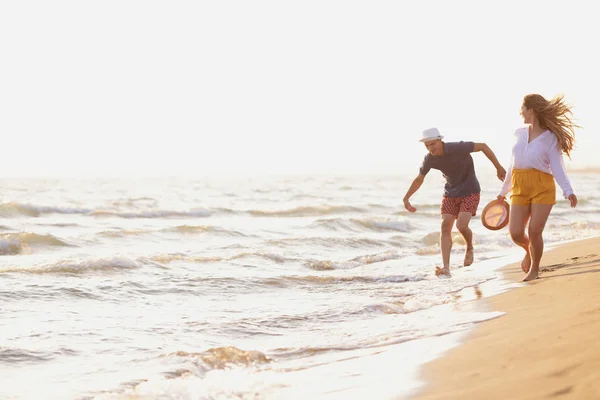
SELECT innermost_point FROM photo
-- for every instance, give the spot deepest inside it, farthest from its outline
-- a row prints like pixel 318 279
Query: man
pixel 461 192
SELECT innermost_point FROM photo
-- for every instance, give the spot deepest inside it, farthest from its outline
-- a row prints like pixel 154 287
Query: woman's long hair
pixel 556 116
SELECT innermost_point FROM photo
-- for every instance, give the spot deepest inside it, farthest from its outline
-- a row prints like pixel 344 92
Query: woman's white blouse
pixel 543 154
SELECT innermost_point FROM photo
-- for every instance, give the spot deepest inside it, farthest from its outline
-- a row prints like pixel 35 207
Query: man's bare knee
pixel 447 227
pixel 463 227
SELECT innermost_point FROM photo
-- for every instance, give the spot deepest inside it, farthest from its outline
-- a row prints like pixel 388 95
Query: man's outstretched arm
pixel 414 186
pixel 501 172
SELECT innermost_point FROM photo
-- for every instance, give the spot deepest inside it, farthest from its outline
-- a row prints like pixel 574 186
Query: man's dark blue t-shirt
pixel 457 167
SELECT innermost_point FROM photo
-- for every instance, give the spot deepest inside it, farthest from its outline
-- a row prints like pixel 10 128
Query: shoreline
pixel 544 346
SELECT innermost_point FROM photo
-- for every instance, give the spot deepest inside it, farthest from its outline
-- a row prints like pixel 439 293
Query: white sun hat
pixel 431 134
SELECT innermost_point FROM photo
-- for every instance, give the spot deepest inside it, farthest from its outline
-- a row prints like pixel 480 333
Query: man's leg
pixel 468 208
pixel 462 223
pixel 446 243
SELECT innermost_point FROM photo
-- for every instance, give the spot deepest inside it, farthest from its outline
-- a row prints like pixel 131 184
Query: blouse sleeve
pixel 557 166
pixel 506 186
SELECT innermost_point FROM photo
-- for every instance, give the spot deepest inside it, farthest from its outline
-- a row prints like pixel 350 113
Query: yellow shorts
pixel 530 186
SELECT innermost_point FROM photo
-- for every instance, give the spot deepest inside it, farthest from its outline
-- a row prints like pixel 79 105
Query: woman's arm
pixel 557 166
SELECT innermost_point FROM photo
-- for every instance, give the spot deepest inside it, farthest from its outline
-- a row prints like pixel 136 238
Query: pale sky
pixel 207 87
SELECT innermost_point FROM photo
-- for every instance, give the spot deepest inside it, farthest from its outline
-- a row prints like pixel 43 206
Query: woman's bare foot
pixel 469 256
pixel 442 271
pixel 532 275
pixel 526 263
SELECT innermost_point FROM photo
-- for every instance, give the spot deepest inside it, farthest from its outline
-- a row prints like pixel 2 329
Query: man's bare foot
pixel 526 263
pixel 532 275
pixel 442 271
pixel 469 256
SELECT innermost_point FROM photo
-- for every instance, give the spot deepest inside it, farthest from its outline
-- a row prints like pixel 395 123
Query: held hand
pixel 573 200
pixel 501 173
pixel 500 198
pixel 409 206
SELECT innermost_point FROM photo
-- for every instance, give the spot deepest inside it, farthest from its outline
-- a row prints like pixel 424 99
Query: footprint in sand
pixel 578 257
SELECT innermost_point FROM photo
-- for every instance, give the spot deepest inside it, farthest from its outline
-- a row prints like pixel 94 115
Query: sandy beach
pixel 544 347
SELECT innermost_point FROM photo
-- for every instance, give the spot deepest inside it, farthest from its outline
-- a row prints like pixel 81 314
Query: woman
pixel 536 162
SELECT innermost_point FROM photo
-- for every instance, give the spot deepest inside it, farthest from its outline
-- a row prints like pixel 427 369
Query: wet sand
pixel 546 346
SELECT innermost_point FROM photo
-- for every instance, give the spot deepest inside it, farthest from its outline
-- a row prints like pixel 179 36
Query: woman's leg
pixel 519 215
pixel 539 216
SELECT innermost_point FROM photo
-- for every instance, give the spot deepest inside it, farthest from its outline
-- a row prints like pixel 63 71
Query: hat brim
pixel 431 139
pixel 495 215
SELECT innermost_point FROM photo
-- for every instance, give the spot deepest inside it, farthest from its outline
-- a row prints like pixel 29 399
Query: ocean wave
pixel 307 211
pixel 181 229
pixel 190 229
pixel 61 225
pixel 290 352
pixel 77 267
pixel 168 258
pixel 580 212
pixel 430 243
pixel 410 304
pixel 328 242
pixel 367 224
pixel 243 285
pixel 224 357
pixel 369 343
pixel 307 196
pixel 18 243
pixel 265 255
pixel 384 225
pixel 326 265
pixel 425 207
pixel 194 213
pixel 135 202
pixel 218 373
pixel 334 280
pixel 125 232
pixel 428 251
pixel 577 225
pixel 10 247
pixel 28 210
pixel 13 209
pixel 433 238
pixel 23 356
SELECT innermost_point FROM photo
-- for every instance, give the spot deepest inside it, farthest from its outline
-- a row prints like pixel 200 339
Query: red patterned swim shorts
pixel 455 205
